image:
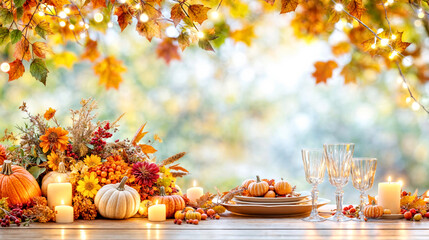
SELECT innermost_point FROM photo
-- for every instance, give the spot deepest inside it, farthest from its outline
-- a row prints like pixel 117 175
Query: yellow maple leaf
pixel 109 70
pixel 65 59
pixel 244 35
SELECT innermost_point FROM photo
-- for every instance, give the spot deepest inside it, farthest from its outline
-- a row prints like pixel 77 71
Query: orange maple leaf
pixel 139 135
pixel 348 74
pixel 324 70
pixel 57 3
pixel 177 14
pixel 149 29
pixel 147 149
pixel 271 2
pixel 16 70
pixel 168 50
pixel 109 70
pixel 198 13
pixel 288 6
pixel 98 3
pixel 341 48
pixel 22 50
pixel 244 35
pixel 91 52
pixel 125 14
pixel 356 8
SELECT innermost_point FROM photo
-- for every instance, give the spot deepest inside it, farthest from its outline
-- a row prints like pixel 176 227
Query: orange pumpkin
pixel 247 182
pixel 282 187
pixel 373 211
pixel 270 194
pixel 258 188
pixel 17 184
pixel 173 203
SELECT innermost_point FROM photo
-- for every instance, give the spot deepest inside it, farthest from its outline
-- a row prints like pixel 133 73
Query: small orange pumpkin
pixel 247 182
pixel 17 184
pixel 282 187
pixel 258 188
pixel 270 194
pixel 173 203
pixel 373 211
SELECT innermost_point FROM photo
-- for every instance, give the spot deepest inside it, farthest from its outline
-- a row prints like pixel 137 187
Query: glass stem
pixel 362 204
pixel 314 196
pixel 339 198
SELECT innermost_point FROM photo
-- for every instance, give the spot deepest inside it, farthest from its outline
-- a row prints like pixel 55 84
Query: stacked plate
pixel 279 206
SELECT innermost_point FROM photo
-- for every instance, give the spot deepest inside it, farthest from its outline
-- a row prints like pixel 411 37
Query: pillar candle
pixel 58 193
pixel 63 214
pixel 194 192
pixel 389 196
pixel 157 213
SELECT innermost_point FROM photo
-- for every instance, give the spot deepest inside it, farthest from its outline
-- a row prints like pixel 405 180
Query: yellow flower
pixel 92 161
pixel 50 113
pixel 53 161
pixel 54 138
pixel 89 186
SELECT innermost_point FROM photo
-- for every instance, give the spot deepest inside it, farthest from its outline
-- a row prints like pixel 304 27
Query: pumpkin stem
pixel 258 179
pixel 373 202
pixel 162 191
pixel 7 168
pixel 121 186
pixel 62 167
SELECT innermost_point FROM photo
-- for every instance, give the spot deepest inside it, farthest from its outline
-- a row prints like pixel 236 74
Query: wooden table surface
pixel 228 227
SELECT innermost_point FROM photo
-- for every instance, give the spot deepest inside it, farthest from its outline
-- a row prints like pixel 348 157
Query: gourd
pixel 258 188
pixel 270 194
pixel 193 215
pixel 247 182
pixel 373 211
pixel 117 201
pixel 52 177
pixel 144 206
pixel 172 203
pixel 179 215
pixel 282 187
pixel 17 184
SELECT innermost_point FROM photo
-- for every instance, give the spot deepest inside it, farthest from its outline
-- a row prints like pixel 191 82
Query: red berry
pixel 413 211
pixel 346 208
pixel 179 221
pixel 427 215
pixel 195 222
pixel 211 212
pixel 352 210
pixel 408 215
pixel 350 206
pixel 344 212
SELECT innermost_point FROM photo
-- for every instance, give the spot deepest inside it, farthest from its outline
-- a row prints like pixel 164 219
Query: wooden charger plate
pixel 273 209
pixel 276 199
pixel 303 201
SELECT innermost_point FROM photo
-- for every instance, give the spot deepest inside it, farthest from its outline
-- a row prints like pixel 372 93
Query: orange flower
pixel 50 113
pixel 54 138
pixel 2 154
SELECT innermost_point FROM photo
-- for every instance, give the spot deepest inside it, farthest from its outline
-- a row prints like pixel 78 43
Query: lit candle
pixel 389 195
pixel 157 212
pixel 59 193
pixel 195 192
pixel 63 213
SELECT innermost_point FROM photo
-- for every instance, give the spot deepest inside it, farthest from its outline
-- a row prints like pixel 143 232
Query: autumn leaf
pixel 341 48
pixel 91 52
pixel 6 17
pixel 149 29
pixel 57 3
pixel 43 29
pixel 40 49
pixel 125 15
pixel 288 6
pixel 177 14
pixel 15 36
pixel 348 74
pixel 198 13
pixel 157 138
pixel 19 3
pixel 371 200
pixel 109 70
pixel 65 59
pixel 147 149
pixel 243 35
pixel 22 50
pixel 16 70
pixel 205 44
pixel 375 48
pixel 398 44
pixel 98 3
pixel 356 8
pixel 271 2
pixel 177 167
pixel 139 135
pixel 38 70
pixel 324 70
pixel 168 50
pixel 4 35
pixel 184 40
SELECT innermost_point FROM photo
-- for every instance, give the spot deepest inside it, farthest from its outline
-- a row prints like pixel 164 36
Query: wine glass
pixel 363 172
pixel 314 166
pixel 339 161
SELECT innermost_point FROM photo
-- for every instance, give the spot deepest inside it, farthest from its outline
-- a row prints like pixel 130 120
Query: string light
pixel 393 54
pixel 86 25
pixel 62 24
pixel 98 17
pixel 137 6
pixel 67 10
pixel 121 1
pixel 420 13
pixel 415 106
pixel 393 37
pixel 404 86
pixel 62 14
pixel 214 15
pixel 144 17
pixel 81 23
pixel 41 13
pixel 5 67
pixel 200 34
pixel 71 27
pixel 408 100
pixel 339 7
pixel 82 35
pixel 418 23
pixel 110 25
pixel 390 1
pixel 384 41
pixel 373 46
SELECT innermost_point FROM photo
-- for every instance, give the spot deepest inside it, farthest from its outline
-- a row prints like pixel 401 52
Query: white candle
pixel 157 212
pixel 389 195
pixel 58 193
pixel 195 192
pixel 63 214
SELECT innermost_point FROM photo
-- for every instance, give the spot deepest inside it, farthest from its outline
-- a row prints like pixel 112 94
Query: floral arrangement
pixel 91 160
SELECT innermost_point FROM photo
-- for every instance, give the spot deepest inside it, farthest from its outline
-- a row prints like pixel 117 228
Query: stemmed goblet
pixel 314 165
pixel 339 161
pixel 363 172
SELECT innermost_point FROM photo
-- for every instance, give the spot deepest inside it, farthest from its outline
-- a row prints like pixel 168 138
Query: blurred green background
pixel 243 110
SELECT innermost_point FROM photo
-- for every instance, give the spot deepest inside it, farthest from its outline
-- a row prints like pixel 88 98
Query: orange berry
pixel 108 181
pixel 211 212
pixel 103 174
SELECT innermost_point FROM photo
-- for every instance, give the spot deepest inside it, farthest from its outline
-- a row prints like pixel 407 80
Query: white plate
pixel 273 209
pixel 303 201
pixel 276 199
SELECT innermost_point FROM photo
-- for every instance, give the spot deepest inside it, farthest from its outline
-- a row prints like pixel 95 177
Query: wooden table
pixel 228 227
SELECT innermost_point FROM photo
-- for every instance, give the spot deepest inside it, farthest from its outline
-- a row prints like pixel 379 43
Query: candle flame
pixel 195 183
pixel 62 202
pixel 389 179
pixel 59 179
pixel 156 203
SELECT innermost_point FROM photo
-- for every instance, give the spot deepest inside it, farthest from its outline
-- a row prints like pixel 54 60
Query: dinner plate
pixel 276 199
pixel 303 201
pixel 273 209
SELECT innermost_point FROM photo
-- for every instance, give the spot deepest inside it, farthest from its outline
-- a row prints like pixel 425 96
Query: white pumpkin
pixel 117 201
pixel 61 176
